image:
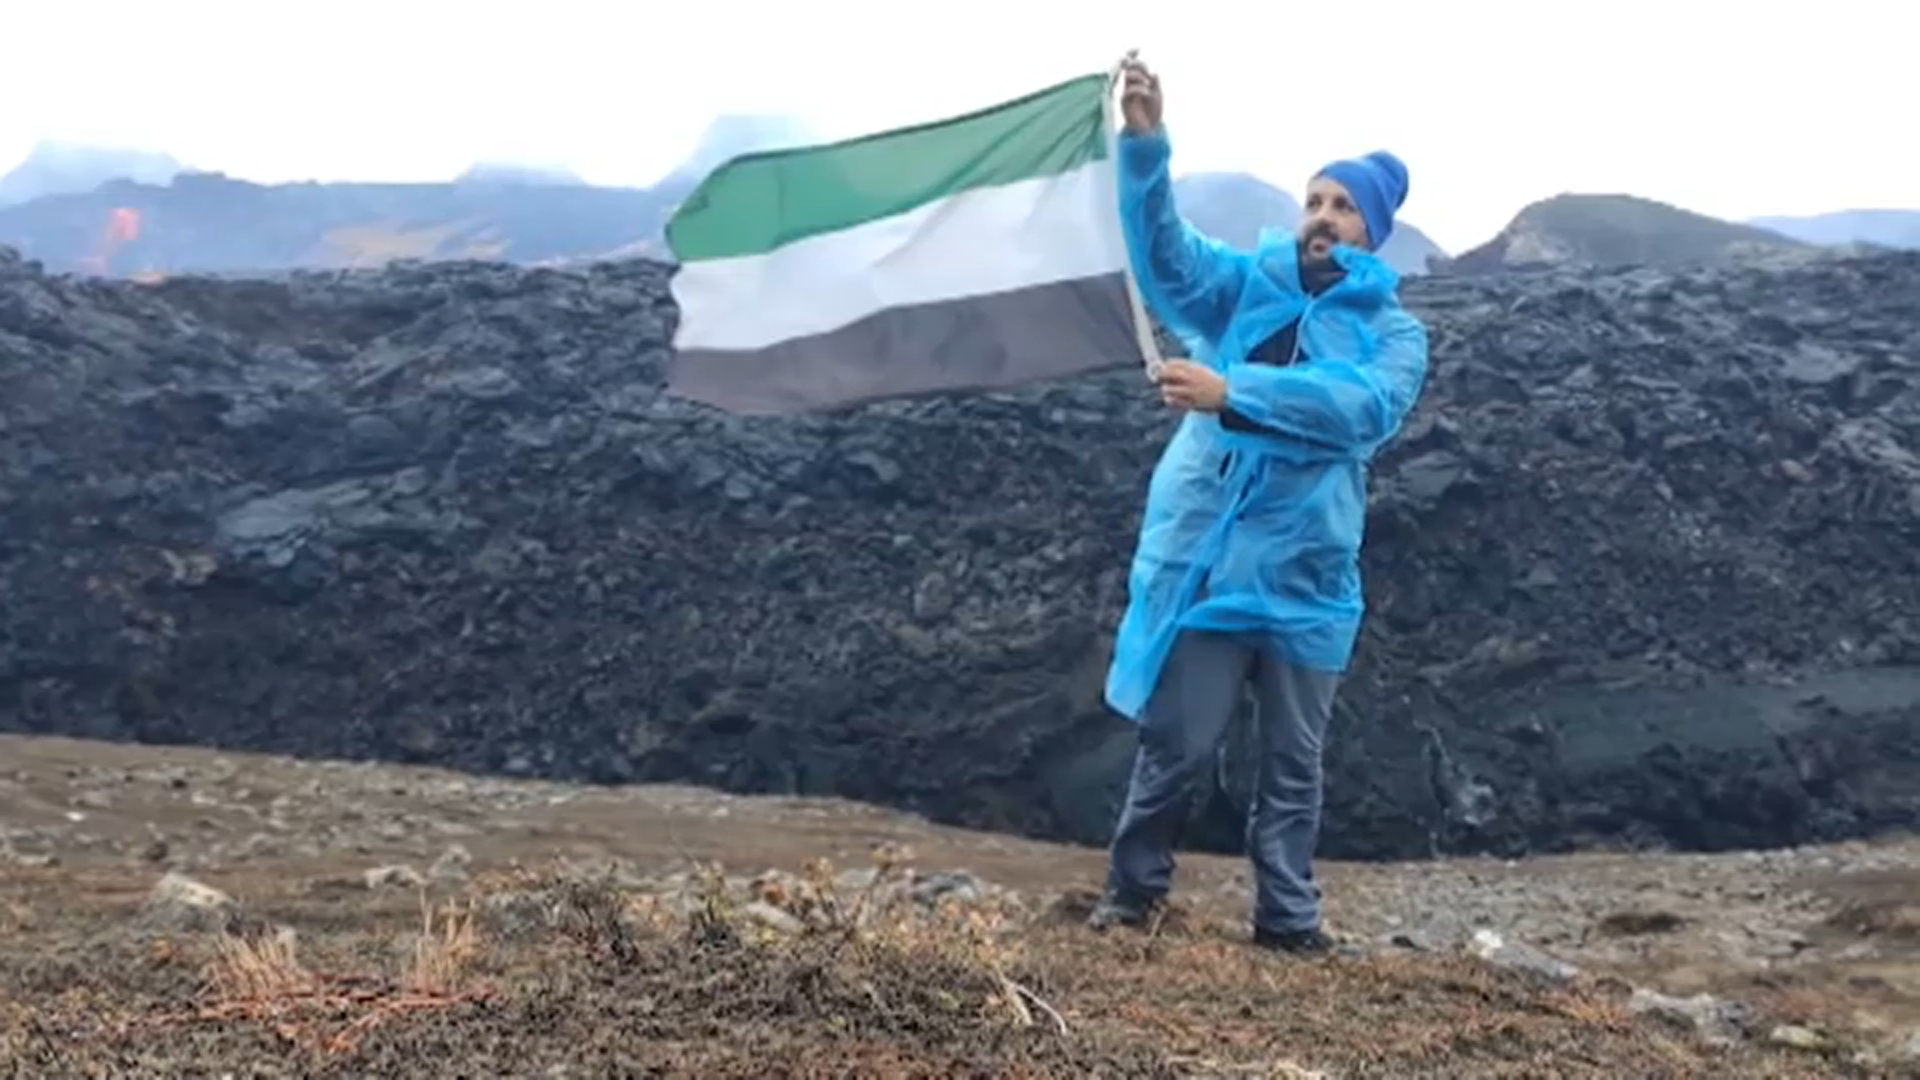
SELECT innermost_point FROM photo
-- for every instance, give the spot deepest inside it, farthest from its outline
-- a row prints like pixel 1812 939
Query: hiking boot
pixel 1114 911
pixel 1311 942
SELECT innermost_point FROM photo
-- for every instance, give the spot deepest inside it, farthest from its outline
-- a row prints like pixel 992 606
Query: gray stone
pixel 451 866
pixel 956 885
pixel 397 876
pixel 178 902
pixel 1798 1037
pixel 773 918
pixel 1718 1021
pixel 1496 949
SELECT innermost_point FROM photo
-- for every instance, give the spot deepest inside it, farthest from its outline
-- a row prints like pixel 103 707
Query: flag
pixel 977 253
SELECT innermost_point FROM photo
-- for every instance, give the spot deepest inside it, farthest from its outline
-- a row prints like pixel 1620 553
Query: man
pixel 1247 568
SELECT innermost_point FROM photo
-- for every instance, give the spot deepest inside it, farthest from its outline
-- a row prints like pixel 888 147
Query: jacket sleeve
pixel 1190 280
pixel 1333 404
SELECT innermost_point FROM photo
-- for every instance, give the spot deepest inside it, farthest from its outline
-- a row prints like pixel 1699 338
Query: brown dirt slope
pixel 171 912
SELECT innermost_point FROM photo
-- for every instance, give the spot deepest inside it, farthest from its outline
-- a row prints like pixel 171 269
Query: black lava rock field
pixel 1643 570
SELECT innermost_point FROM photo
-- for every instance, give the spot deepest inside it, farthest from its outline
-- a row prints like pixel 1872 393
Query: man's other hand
pixel 1139 97
pixel 1187 385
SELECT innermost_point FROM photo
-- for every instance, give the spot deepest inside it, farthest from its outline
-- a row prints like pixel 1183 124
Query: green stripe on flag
pixel 759 202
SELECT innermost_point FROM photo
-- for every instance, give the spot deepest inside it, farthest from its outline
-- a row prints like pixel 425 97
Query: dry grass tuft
pixel 444 951
pixel 261 979
pixel 259 968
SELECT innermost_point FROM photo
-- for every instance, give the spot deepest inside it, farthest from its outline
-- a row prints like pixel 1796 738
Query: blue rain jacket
pixel 1245 531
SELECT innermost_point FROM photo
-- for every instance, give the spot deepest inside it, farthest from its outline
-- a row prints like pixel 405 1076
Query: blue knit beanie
pixel 1378 184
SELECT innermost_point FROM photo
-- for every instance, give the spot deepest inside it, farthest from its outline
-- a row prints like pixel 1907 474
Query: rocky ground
pixel 1643 570
pixel 181 912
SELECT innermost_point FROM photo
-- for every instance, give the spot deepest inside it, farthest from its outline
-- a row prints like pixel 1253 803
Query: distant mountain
pixel 1883 228
pixel 493 172
pixel 1618 230
pixel 199 221
pixel 61 169
pixel 1233 208
pixel 210 222
pixel 1411 251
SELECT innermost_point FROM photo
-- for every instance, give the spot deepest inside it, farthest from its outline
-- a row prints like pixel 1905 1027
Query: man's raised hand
pixel 1139 96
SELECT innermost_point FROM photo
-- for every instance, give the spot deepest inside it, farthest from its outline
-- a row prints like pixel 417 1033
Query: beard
pixel 1307 255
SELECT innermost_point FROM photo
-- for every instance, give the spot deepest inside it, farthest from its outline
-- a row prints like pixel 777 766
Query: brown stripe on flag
pixel 992 342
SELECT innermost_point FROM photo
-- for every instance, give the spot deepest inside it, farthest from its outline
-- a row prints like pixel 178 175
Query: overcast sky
pixel 1723 108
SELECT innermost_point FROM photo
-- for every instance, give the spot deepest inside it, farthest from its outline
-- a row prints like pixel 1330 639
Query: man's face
pixel 1330 218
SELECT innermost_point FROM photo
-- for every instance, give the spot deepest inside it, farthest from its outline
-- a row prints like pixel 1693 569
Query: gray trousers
pixel 1185 720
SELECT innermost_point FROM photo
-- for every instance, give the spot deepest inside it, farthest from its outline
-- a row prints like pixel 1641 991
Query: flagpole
pixel 1142 324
